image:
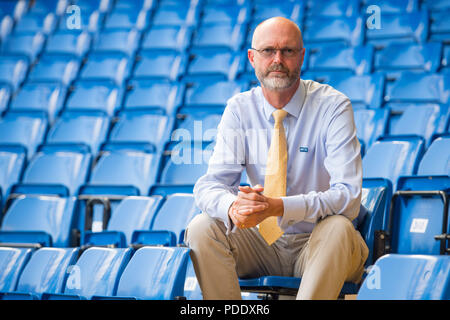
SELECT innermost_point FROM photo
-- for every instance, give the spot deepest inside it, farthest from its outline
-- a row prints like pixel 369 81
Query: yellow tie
pixel 275 179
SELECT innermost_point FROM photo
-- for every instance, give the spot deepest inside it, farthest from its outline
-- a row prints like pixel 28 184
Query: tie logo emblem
pixel 303 149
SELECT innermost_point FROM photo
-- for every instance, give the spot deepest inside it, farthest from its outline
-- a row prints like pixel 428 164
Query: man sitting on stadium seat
pixel 297 141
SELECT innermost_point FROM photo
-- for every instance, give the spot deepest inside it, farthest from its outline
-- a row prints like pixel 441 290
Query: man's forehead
pixel 275 32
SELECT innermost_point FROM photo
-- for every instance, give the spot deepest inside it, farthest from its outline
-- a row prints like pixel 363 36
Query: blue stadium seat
pixel 408 277
pixel 210 96
pixel 192 289
pixel 45 98
pixel 6 24
pixel 176 38
pixel 24 45
pixel 136 5
pixel 13 71
pixel 400 27
pixel 401 156
pixel 200 126
pixel 414 57
pixel 170 222
pixel 177 15
pixel 55 171
pixel 220 36
pixel 436 160
pixel 33 22
pixel 134 127
pixel 440 25
pixel 123 40
pixel 160 65
pixel 422 120
pixel 436 5
pixel 12 262
pixel 357 60
pixel 27 131
pixel 289 9
pixel 79 130
pixel 113 67
pixel 371 124
pixel 185 162
pixel 153 274
pixel 94 96
pixel 5 96
pixel 393 6
pixel 446 60
pixel 226 13
pixel 69 42
pixel 96 272
pixel 419 213
pixel 46 272
pixel 12 162
pixel 55 68
pixel 418 88
pixel 131 214
pixel 343 30
pixel 334 8
pixel 129 170
pixel 15 9
pixel 127 19
pixel 159 97
pixel 44 6
pixel 364 91
pixel 93 5
pixel 215 65
pixel 37 221
pixel 370 219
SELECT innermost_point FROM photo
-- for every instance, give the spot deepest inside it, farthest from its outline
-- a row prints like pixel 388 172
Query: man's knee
pixel 337 226
pixel 200 229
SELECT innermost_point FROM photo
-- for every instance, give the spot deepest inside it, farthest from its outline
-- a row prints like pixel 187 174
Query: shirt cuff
pixel 294 211
pixel 224 205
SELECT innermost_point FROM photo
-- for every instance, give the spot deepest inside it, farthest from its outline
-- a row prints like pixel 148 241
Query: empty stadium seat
pixel 344 30
pixel 159 97
pixel 136 5
pixel 123 40
pixel 96 272
pixel 12 262
pixel 55 171
pixel 408 277
pixel 129 170
pixel 55 68
pixel 177 38
pixel 177 15
pixel 12 162
pixel 226 13
pixel 39 221
pixel 418 218
pixel 13 70
pixel 131 214
pixel 153 273
pixel 134 127
pixel 446 60
pixel 44 6
pixel 170 221
pixel 28 45
pixel 69 42
pixel 24 130
pixel 357 60
pixel 422 120
pixel 393 6
pixel 192 289
pixel 160 65
pixel 89 96
pixel 113 67
pixel 371 124
pixel 40 98
pixel 219 36
pixel 46 272
pixel 436 160
pixel 200 126
pixel 33 22
pixel 79 130
pixel 365 91
pixel 127 18
pixel 334 8
pixel 290 9
pixel 414 57
pixel 215 65
pixel 440 26
pixel 400 27
pixel 401 156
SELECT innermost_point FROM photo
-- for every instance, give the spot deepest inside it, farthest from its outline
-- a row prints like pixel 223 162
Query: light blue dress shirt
pixel 324 171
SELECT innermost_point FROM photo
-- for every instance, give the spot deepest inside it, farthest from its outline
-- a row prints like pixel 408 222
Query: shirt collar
pixel 293 107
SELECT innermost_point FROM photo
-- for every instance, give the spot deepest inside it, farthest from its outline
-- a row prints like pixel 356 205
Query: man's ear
pixel 251 56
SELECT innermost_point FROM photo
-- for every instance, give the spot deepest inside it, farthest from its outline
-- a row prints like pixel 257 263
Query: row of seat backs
pixel 154 273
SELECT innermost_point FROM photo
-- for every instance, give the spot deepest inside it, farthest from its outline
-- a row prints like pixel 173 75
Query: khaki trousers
pixel 333 253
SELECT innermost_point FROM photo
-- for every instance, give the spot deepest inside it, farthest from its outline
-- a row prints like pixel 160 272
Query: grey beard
pixel 277 83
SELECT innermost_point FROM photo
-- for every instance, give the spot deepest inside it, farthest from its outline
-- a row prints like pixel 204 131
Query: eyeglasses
pixel 270 52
